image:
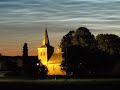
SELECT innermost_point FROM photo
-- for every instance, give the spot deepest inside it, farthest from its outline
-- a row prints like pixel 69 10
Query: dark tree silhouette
pixel 84 38
pixel 42 71
pixel 26 61
pixel 83 54
pixel 25 50
pixel 109 43
pixel 32 67
pixel 67 40
pixel 76 47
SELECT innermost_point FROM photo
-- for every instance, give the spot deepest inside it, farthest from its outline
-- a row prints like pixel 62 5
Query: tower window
pixel 41 53
pixel 44 53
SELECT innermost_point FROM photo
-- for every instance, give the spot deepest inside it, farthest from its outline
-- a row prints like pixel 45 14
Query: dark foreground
pixel 76 84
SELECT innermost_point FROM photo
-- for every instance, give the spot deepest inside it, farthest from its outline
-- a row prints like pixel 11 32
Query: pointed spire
pixel 46 38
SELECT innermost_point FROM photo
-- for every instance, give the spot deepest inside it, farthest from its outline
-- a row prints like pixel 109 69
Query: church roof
pixel 56 58
pixel 46 38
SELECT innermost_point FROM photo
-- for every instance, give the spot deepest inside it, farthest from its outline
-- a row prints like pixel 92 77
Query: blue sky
pixel 25 20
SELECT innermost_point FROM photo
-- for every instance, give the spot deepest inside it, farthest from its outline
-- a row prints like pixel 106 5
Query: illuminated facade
pixel 52 59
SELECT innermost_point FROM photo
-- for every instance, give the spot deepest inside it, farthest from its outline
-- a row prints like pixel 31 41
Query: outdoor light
pixel 37 64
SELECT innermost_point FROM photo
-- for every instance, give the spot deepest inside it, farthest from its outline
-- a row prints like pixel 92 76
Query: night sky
pixel 25 21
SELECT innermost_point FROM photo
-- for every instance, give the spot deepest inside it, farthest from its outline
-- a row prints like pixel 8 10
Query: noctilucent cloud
pixel 25 21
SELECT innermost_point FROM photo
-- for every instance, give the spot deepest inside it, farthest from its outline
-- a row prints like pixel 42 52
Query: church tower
pixel 46 50
pixel 46 38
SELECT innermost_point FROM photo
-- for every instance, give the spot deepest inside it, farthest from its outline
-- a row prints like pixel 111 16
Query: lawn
pixel 60 83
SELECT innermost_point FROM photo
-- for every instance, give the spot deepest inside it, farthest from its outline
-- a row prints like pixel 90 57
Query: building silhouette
pixel 50 57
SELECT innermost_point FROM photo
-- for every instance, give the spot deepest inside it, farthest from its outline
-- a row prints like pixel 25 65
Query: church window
pixel 44 53
pixel 41 53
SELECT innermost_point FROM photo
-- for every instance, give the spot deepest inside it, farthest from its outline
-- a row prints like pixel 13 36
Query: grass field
pixel 60 83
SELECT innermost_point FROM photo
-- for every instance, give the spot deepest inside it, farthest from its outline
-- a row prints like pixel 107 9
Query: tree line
pixel 85 54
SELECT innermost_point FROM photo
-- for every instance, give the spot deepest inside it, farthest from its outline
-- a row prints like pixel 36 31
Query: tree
pixel 26 61
pixel 67 40
pixel 84 38
pixel 32 67
pixel 36 68
pixel 75 57
pixel 77 46
pixel 42 71
pixel 109 43
pixel 25 50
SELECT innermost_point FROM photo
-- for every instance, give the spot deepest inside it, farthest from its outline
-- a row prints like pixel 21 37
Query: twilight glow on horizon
pixel 25 21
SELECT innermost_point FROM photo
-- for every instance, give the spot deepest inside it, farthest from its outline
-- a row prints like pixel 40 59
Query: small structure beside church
pixel 50 57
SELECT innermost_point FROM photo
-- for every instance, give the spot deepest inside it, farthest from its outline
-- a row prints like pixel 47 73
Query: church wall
pixel 42 55
pixel 55 69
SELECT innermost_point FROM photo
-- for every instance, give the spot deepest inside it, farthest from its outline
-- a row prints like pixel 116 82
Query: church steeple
pixel 46 50
pixel 46 38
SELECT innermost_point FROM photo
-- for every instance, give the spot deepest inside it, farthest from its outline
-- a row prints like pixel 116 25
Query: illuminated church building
pixel 52 59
